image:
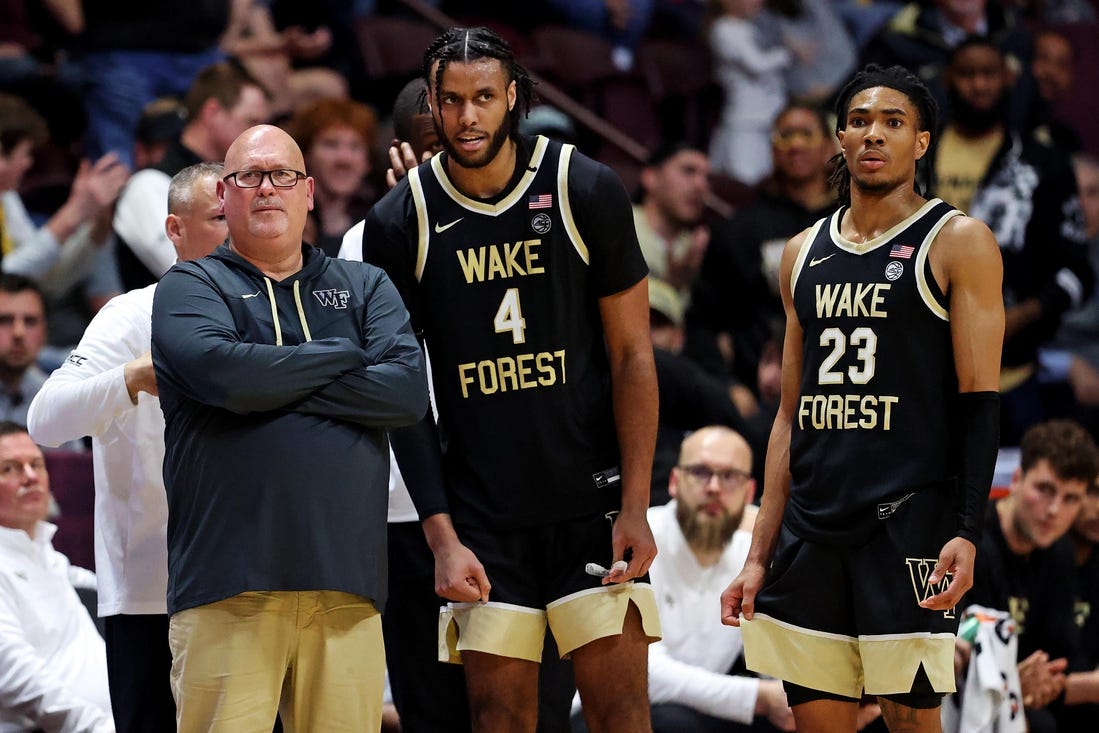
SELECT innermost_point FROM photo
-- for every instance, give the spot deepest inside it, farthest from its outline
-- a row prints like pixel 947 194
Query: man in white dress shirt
pixel 106 389
pixel 52 661
pixel 703 535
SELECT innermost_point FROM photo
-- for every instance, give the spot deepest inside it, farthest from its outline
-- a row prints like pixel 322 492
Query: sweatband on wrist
pixel 978 426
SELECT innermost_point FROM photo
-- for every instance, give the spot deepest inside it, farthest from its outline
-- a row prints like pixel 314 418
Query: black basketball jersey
pixel 872 422
pixel 506 294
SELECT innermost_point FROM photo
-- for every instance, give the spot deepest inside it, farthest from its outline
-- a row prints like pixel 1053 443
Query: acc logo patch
pixel 541 223
pixel 893 270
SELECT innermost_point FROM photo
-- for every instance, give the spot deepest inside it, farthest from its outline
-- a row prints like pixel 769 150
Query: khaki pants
pixel 315 656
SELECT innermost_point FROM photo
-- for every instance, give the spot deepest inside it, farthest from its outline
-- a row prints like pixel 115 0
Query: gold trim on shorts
pixel 508 630
pixel 892 660
pixel 503 629
pixel 595 613
pixel 841 664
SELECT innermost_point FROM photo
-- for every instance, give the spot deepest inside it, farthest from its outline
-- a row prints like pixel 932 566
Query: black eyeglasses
pixel 280 178
pixel 728 478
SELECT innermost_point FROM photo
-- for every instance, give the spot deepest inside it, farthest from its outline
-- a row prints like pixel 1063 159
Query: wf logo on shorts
pixel 332 298
pixel 919 570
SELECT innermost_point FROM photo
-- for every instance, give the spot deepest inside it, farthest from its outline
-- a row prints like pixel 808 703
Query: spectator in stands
pixel 338 137
pixel 54 672
pixel 623 23
pixel 106 389
pixel 1052 70
pixel 703 534
pixel 223 101
pixel 752 77
pixel 22 334
pixel 275 57
pixel 1078 339
pixel 669 218
pixel 689 397
pixel 736 299
pixel 81 225
pixel 160 124
pixel 830 56
pixel 131 53
pixel 1026 193
pixel 1025 563
pixel 1085 541
pixel 922 34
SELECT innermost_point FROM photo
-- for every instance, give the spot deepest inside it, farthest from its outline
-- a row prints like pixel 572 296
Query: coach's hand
pixel 955 559
pixel 459 575
pixel 632 541
pixel 740 596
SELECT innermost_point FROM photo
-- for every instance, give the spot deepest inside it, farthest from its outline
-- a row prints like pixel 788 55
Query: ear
pixel 648 179
pixel 839 137
pixel 673 485
pixel 923 142
pixel 512 95
pixel 309 185
pixel 209 108
pixel 219 191
pixel 750 494
pixel 173 227
pixel 1016 478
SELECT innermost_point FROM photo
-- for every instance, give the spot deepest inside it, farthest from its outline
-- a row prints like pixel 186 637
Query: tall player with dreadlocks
pixel 881 456
pixel 517 259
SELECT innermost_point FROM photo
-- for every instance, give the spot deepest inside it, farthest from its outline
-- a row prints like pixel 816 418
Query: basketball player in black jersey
pixel 882 453
pixel 520 267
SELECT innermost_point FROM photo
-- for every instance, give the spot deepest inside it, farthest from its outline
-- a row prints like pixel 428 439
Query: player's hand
pixel 740 597
pixel 956 559
pixel 459 575
pixel 402 159
pixel 632 541
pixel 1041 680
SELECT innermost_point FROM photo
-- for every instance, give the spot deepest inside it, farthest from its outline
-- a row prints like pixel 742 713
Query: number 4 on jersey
pixel 509 317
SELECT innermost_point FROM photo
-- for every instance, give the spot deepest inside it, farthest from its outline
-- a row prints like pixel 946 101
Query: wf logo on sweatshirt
pixel 332 298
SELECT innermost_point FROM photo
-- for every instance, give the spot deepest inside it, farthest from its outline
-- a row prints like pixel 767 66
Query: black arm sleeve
pixel 979 427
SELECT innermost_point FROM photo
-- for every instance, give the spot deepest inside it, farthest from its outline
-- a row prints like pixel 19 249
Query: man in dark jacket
pixel 279 371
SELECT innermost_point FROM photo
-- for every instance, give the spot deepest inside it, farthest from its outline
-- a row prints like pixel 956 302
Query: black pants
pixel 139 668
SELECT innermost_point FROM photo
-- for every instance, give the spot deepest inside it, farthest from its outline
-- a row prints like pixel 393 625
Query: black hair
pixel 669 150
pixel 893 77
pixel 975 40
pixel 464 45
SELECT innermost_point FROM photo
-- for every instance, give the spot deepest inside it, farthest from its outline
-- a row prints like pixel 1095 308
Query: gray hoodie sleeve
pixel 390 390
pixel 198 352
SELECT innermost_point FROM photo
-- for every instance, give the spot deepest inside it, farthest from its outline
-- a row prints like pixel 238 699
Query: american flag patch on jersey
pixel 904 251
pixel 540 201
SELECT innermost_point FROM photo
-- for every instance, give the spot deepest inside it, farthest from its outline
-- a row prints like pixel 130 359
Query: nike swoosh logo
pixel 815 262
pixel 440 229
pixel 251 295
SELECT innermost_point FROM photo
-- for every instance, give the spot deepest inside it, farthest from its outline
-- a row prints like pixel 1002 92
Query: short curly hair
pixel 1065 445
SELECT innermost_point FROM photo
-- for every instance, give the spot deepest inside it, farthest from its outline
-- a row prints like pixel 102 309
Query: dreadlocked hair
pixel 874 75
pixel 464 45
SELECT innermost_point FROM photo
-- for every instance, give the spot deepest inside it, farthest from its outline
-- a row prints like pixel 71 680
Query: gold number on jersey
pixel 509 317
pixel 864 340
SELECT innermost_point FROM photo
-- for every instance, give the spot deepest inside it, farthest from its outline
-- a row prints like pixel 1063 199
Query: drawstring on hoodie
pixel 275 311
pixel 301 311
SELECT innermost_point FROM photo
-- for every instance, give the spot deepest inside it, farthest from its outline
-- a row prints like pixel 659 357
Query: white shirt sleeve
pixel 36 249
pixel 715 694
pixel 139 220
pixel 29 688
pixel 735 42
pixel 88 391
